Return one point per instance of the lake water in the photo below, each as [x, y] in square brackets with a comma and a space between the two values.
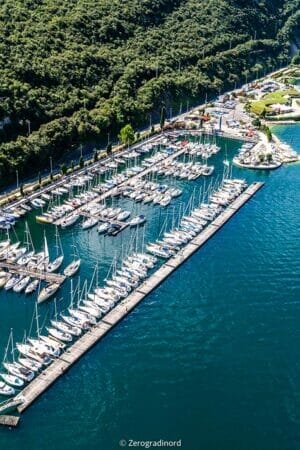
[211, 357]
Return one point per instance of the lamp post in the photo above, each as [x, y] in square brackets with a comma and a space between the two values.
[17, 175]
[51, 168]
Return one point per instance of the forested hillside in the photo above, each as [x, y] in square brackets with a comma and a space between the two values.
[72, 70]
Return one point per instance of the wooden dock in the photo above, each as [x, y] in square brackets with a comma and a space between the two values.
[115, 190]
[31, 392]
[40, 275]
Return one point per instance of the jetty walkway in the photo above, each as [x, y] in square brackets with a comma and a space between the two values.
[49, 277]
[31, 392]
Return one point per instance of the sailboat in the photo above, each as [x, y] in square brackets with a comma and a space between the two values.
[54, 265]
[73, 267]
[17, 374]
[48, 291]
[31, 287]
[43, 257]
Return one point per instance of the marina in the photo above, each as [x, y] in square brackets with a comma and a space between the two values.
[49, 375]
[166, 208]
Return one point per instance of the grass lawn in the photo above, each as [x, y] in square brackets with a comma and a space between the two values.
[258, 106]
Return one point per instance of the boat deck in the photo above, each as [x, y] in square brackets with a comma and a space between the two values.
[31, 392]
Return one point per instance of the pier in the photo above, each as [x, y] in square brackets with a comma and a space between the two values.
[40, 384]
[40, 275]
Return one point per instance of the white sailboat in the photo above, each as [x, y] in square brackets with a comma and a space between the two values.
[73, 267]
[54, 265]
[48, 291]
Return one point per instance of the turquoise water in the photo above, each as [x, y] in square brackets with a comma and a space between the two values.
[211, 357]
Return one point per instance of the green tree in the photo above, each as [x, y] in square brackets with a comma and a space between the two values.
[256, 123]
[96, 155]
[263, 113]
[296, 59]
[126, 135]
[63, 169]
[109, 148]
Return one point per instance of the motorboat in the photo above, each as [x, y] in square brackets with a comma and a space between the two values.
[136, 221]
[89, 223]
[122, 216]
[103, 227]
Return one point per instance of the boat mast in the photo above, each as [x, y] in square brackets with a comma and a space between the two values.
[7, 346]
[37, 320]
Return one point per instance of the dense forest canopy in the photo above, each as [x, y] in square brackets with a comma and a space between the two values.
[72, 70]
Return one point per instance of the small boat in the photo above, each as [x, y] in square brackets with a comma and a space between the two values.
[82, 315]
[12, 282]
[25, 258]
[103, 227]
[207, 170]
[70, 220]
[12, 380]
[60, 335]
[28, 352]
[4, 279]
[32, 287]
[54, 343]
[136, 221]
[45, 196]
[48, 291]
[38, 203]
[76, 322]
[19, 371]
[66, 328]
[6, 390]
[89, 223]
[72, 268]
[123, 216]
[30, 364]
[113, 229]
[54, 265]
[21, 284]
